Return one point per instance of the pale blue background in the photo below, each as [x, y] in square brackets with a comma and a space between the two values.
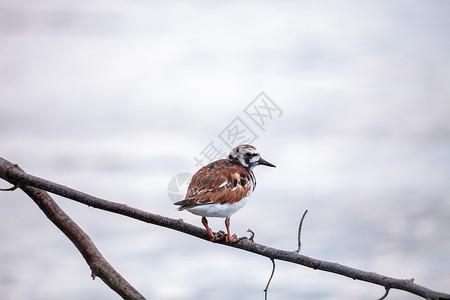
[115, 98]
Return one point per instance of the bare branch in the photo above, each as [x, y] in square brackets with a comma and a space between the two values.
[270, 279]
[13, 188]
[15, 175]
[98, 264]
[386, 293]
[300, 231]
[252, 235]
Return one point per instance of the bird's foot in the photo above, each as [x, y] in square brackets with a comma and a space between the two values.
[218, 236]
[233, 239]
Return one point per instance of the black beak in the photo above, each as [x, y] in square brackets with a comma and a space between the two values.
[265, 163]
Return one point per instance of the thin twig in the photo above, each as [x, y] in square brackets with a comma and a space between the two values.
[252, 235]
[13, 188]
[270, 279]
[300, 231]
[386, 293]
[14, 175]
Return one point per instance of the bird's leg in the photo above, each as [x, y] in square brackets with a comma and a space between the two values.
[205, 223]
[214, 237]
[231, 238]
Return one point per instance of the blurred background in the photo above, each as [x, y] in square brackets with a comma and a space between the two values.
[116, 99]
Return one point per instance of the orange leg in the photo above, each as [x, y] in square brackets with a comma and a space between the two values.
[205, 223]
[231, 238]
[214, 237]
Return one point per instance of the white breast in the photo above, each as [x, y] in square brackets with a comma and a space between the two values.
[218, 210]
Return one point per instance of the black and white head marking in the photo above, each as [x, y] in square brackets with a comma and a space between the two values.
[248, 157]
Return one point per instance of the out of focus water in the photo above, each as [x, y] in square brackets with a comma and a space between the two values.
[114, 99]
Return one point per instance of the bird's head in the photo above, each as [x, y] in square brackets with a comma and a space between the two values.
[248, 156]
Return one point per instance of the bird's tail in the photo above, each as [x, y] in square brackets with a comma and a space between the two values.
[186, 203]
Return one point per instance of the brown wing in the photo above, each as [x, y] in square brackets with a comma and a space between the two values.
[219, 182]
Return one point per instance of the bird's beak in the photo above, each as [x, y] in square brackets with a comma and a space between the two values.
[265, 162]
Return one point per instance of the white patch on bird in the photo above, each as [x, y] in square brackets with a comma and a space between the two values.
[242, 162]
[223, 184]
[254, 159]
[218, 210]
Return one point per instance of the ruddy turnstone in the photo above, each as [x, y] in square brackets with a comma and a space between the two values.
[223, 187]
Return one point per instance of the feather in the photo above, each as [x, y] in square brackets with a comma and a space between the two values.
[220, 182]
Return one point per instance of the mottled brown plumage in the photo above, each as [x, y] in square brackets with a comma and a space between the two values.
[223, 187]
[208, 186]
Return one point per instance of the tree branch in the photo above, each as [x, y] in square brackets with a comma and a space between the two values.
[98, 264]
[266, 290]
[300, 232]
[16, 176]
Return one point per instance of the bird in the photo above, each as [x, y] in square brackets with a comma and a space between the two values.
[223, 187]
